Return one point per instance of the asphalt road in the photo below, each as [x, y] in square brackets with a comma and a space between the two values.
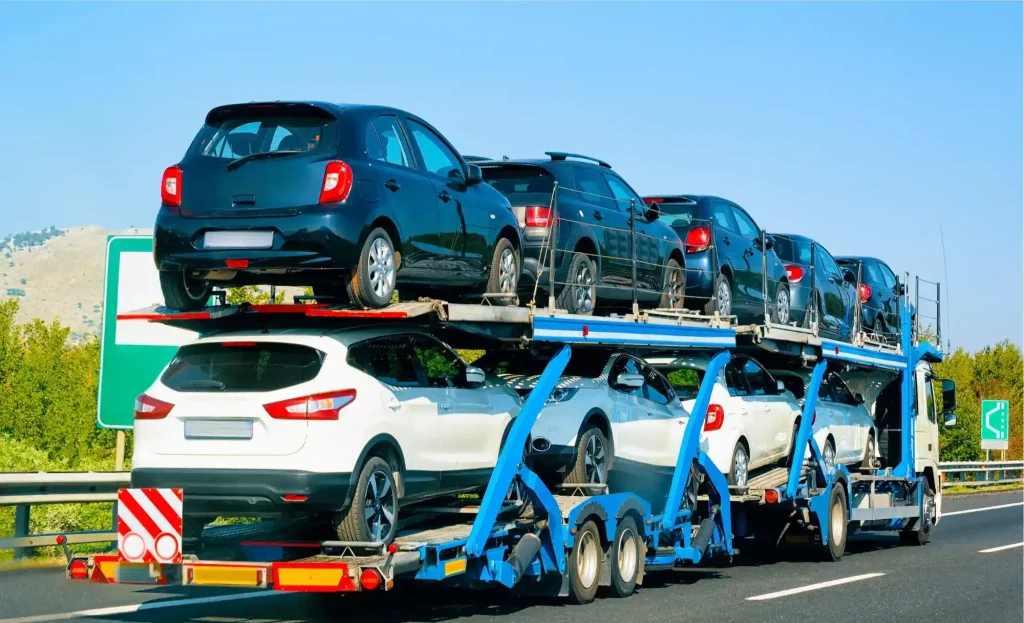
[950, 579]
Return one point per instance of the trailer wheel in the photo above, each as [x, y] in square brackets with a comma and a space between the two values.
[920, 534]
[838, 521]
[585, 564]
[626, 558]
[373, 514]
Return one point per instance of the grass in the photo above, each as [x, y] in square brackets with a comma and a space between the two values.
[960, 490]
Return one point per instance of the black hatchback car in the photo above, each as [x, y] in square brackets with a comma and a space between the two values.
[818, 283]
[352, 200]
[594, 242]
[879, 292]
[724, 262]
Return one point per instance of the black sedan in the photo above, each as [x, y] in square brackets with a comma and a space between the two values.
[879, 292]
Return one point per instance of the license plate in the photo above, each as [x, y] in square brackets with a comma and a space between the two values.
[218, 429]
[238, 240]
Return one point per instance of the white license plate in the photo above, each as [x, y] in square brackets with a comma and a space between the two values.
[218, 429]
[238, 240]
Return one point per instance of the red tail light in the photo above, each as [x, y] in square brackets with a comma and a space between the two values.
[794, 273]
[771, 496]
[715, 418]
[78, 569]
[149, 408]
[865, 292]
[370, 580]
[315, 407]
[170, 187]
[652, 200]
[337, 182]
[698, 239]
[538, 216]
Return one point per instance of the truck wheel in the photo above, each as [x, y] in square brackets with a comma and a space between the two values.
[585, 564]
[921, 534]
[673, 289]
[837, 522]
[739, 467]
[590, 465]
[373, 514]
[504, 273]
[626, 558]
[579, 295]
[372, 283]
[182, 292]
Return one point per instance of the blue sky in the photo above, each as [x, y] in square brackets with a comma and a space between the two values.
[865, 125]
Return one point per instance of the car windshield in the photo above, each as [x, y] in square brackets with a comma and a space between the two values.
[794, 250]
[248, 133]
[240, 366]
[522, 185]
[681, 214]
[526, 363]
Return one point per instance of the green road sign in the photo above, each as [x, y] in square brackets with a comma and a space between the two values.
[132, 352]
[995, 424]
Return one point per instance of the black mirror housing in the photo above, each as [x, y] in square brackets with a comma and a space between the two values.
[651, 211]
[474, 174]
[858, 398]
[848, 276]
[769, 242]
[948, 396]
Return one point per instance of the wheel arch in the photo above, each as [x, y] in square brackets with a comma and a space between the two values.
[386, 447]
[388, 224]
[599, 418]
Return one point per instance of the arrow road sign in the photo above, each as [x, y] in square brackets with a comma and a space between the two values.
[995, 424]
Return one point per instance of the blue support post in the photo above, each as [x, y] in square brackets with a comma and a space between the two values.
[510, 464]
[906, 468]
[803, 437]
[691, 440]
[720, 487]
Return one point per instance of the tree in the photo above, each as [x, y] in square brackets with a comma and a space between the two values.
[254, 295]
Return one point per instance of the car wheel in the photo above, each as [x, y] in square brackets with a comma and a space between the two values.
[722, 303]
[878, 329]
[585, 564]
[579, 295]
[373, 279]
[739, 468]
[674, 286]
[626, 558]
[869, 454]
[182, 292]
[813, 307]
[504, 275]
[838, 522]
[828, 455]
[781, 307]
[373, 514]
[920, 534]
[332, 295]
[590, 465]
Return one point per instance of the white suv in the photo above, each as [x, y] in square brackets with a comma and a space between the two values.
[612, 419]
[751, 420]
[349, 423]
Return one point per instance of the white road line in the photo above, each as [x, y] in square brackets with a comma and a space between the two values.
[978, 510]
[130, 608]
[1000, 548]
[812, 587]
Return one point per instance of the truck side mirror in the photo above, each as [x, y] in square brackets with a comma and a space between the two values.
[949, 419]
[949, 398]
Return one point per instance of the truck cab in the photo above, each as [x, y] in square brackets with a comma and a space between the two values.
[926, 426]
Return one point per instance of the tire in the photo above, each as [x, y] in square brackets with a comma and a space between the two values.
[721, 301]
[739, 467]
[372, 283]
[592, 458]
[829, 451]
[626, 558]
[837, 523]
[333, 295]
[869, 453]
[579, 295]
[673, 286]
[920, 534]
[815, 304]
[183, 293]
[504, 274]
[584, 564]
[782, 305]
[376, 484]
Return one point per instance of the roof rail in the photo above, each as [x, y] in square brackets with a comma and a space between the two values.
[562, 155]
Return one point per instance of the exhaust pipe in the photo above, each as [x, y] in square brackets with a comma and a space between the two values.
[523, 554]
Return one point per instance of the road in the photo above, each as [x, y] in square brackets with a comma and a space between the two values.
[954, 578]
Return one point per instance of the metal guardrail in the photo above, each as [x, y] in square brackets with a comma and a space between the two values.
[981, 473]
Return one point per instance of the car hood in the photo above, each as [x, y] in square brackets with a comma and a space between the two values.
[523, 384]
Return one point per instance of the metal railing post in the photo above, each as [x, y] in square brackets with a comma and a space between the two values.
[632, 234]
[715, 268]
[21, 529]
[551, 246]
[938, 315]
[858, 304]
[813, 303]
[764, 278]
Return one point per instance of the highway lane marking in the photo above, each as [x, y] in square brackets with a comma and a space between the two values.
[978, 510]
[813, 587]
[1000, 548]
[143, 607]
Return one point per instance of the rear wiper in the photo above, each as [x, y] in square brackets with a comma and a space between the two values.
[201, 384]
[263, 155]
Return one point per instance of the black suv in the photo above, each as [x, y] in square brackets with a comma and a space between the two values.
[879, 291]
[594, 240]
[352, 200]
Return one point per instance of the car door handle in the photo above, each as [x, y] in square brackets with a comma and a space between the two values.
[392, 185]
[444, 196]
[725, 239]
[598, 216]
[446, 405]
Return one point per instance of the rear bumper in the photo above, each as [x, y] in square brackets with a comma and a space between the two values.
[243, 491]
[554, 460]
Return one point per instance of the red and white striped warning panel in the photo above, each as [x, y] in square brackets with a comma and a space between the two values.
[149, 525]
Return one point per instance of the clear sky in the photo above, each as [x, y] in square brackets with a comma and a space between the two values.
[864, 125]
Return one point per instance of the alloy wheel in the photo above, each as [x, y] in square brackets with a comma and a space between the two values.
[381, 264]
[507, 272]
[379, 506]
[583, 282]
[782, 305]
[740, 467]
[829, 455]
[674, 288]
[593, 461]
[724, 298]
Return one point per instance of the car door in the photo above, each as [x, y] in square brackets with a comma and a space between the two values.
[747, 411]
[463, 222]
[750, 280]
[828, 415]
[649, 260]
[834, 295]
[628, 421]
[601, 211]
[890, 297]
[854, 431]
[770, 409]
[409, 192]
[728, 246]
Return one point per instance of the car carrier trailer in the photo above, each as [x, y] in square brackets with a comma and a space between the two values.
[578, 538]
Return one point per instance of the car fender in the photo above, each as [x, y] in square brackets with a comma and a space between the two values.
[580, 231]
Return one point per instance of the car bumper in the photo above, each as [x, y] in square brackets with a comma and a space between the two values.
[554, 460]
[243, 491]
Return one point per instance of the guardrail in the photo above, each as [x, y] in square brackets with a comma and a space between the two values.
[981, 473]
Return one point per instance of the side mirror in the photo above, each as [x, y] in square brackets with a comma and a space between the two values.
[474, 175]
[651, 212]
[769, 241]
[475, 377]
[858, 399]
[848, 276]
[949, 398]
[629, 380]
[780, 386]
[949, 420]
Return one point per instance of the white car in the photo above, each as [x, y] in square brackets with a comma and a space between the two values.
[612, 419]
[842, 427]
[348, 423]
[751, 420]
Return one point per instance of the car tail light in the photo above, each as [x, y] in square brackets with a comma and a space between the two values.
[538, 216]
[237, 264]
[78, 569]
[370, 580]
[794, 273]
[149, 408]
[865, 292]
[337, 182]
[698, 239]
[316, 407]
[652, 200]
[170, 187]
[715, 418]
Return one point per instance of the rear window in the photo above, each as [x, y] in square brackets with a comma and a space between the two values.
[792, 250]
[521, 185]
[241, 367]
[870, 272]
[254, 131]
[524, 362]
[681, 214]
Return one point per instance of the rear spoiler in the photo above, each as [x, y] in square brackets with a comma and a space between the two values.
[261, 109]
